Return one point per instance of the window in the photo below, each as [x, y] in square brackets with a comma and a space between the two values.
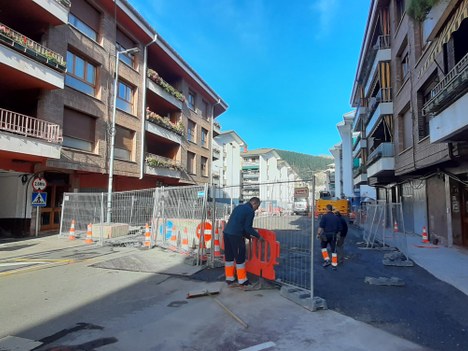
[399, 10]
[81, 75]
[85, 18]
[204, 166]
[123, 143]
[424, 95]
[402, 63]
[123, 42]
[204, 137]
[205, 108]
[406, 130]
[78, 130]
[125, 97]
[191, 128]
[191, 162]
[404, 66]
[191, 100]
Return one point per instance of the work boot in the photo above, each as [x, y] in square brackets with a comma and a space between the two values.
[326, 263]
[246, 283]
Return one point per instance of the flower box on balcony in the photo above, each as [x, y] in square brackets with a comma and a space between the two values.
[155, 77]
[27, 46]
[165, 122]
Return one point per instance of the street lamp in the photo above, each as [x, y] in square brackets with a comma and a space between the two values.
[112, 130]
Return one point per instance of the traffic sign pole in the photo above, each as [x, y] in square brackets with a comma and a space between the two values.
[37, 221]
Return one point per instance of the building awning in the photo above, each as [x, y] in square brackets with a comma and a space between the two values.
[452, 26]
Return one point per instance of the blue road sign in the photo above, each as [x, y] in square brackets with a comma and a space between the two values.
[39, 200]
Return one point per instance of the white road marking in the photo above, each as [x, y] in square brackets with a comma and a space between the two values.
[259, 347]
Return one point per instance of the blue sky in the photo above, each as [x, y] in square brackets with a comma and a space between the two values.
[285, 68]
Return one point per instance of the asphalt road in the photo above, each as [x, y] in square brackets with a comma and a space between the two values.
[425, 310]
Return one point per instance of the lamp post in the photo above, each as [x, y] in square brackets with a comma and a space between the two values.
[112, 131]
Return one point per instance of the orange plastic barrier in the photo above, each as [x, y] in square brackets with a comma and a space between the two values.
[221, 225]
[262, 256]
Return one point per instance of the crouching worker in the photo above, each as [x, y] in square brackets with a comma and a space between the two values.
[239, 227]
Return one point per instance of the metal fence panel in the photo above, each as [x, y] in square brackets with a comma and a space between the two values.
[180, 217]
[293, 232]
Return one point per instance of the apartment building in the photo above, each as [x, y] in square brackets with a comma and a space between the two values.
[350, 181]
[410, 95]
[265, 175]
[84, 83]
[226, 173]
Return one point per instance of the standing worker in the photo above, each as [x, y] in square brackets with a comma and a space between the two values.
[239, 227]
[340, 238]
[329, 227]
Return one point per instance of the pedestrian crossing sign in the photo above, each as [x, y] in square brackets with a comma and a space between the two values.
[39, 199]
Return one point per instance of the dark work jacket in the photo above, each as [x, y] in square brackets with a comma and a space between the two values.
[344, 226]
[240, 222]
[330, 223]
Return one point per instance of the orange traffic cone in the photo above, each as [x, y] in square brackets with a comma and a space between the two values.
[147, 243]
[395, 227]
[217, 250]
[174, 238]
[71, 235]
[89, 234]
[425, 238]
[185, 244]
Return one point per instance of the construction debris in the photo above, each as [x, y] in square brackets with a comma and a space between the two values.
[384, 281]
[203, 292]
[397, 259]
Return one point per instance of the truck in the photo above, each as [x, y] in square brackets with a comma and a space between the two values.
[301, 201]
[325, 199]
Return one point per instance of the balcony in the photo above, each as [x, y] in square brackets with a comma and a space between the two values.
[250, 175]
[28, 135]
[163, 166]
[38, 14]
[379, 106]
[58, 8]
[25, 62]
[359, 175]
[381, 161]
[448, 106]
[381, 53]
[360, 145]
[164, 128]
[216, 153]
[164, 90]
[216, 127]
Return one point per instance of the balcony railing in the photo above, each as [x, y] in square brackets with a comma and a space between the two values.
[66, 3]
[29, 47]
[383, 42]
[459, 72]
[156, 161]
[155, 77]
[359, 170]
[29, 126]
[383, 150]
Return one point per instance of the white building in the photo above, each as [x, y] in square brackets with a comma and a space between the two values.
[348, 163]
[226, 173]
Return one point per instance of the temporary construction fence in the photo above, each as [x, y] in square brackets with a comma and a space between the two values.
[383, 226]
[294, 233]
[189, 221]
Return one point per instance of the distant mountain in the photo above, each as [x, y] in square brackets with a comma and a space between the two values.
[304, 164]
